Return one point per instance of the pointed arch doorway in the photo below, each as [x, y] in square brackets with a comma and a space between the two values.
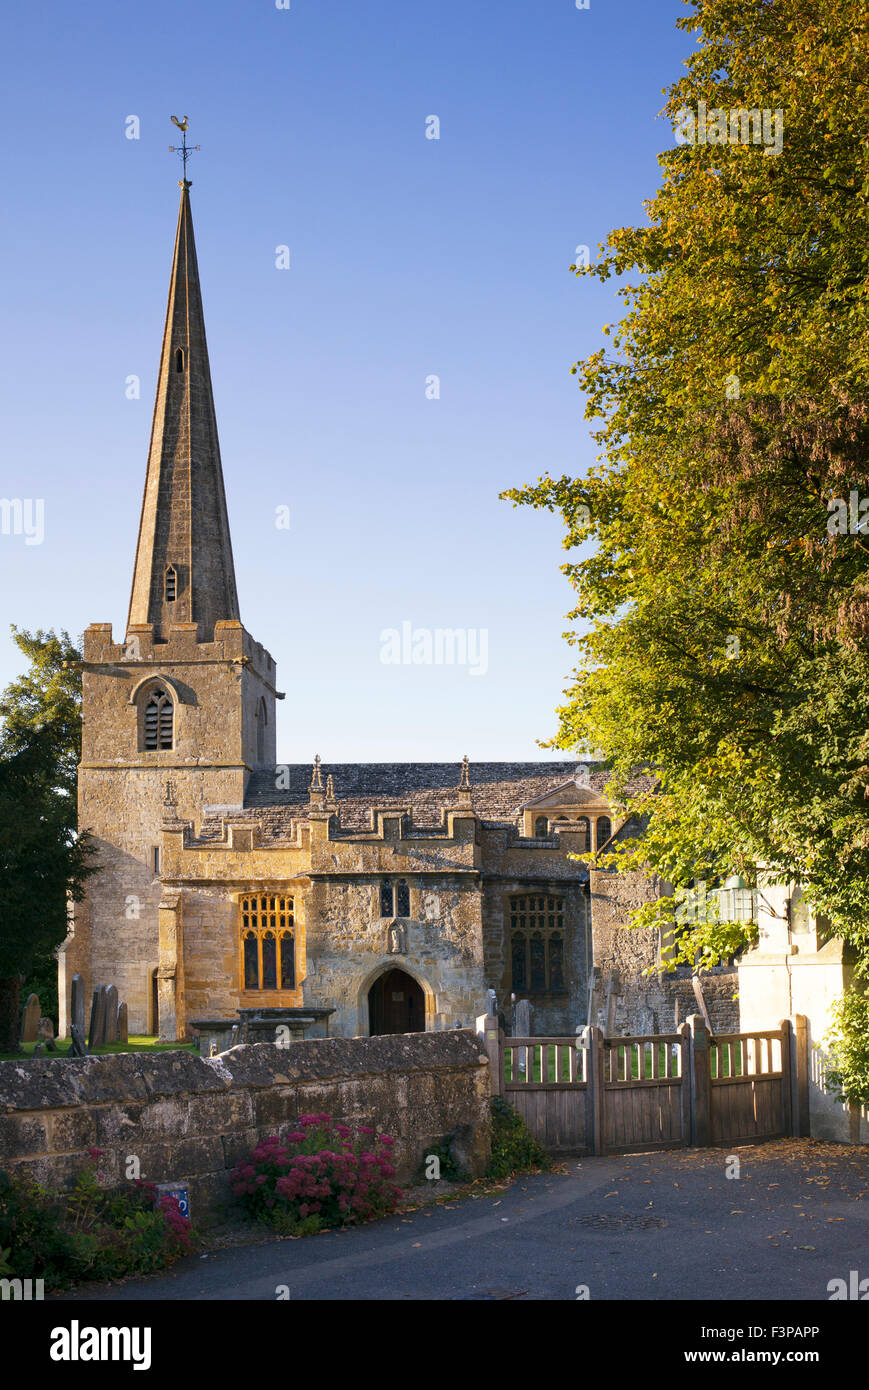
[396, 1004]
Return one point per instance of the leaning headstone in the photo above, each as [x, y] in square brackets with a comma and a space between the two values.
[45, 1029]
[76, 1002]
[30, 1021]
[97, 1030]
[123, 1027]
[522, 1019]
[79, 1047]
[111, 1033]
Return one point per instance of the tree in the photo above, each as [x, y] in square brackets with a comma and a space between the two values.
[47, 696]
[42, 864]
[40, 853]
[727, 597]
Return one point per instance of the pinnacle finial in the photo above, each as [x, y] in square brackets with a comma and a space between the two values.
[465, 783]
[316, 776]
[330, 788]
[169, 798]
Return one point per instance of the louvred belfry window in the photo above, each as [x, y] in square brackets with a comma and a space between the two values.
[159, 721]
[268, 947]
[537, 944]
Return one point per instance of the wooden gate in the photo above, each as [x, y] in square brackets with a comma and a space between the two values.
[644, 1092]
[749, 1087]
[546, 1079]
[592, 1094]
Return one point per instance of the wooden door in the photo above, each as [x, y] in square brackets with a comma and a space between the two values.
[396, 1004]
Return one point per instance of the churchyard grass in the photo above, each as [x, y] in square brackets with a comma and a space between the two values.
[141, 1043]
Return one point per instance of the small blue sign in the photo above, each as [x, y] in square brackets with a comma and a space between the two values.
[181, 1193]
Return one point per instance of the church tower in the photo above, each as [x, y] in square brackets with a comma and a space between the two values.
[177, 716]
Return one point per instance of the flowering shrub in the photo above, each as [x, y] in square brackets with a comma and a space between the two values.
[92, 1232]
[321, 1174]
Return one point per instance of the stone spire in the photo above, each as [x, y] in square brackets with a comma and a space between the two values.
[184, 571]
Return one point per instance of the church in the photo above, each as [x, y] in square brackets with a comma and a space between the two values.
[368, 898]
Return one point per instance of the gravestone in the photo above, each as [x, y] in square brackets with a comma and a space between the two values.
[29, 1024]
[123, 1027]
[76, 1003]
[522, 1019]
[45, 1030]
[111, 1033]
[38, 1049]
[78, 1048]
[97, 1030]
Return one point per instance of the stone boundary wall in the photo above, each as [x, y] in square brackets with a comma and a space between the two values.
[190, 1119]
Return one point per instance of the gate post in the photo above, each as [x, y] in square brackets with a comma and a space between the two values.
[594, 1098]
[492, 1038]
[687, 1091]
[700, 1088]
[800, 1090]
[787, 1054]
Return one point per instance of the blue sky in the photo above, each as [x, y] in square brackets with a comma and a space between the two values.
[409, 257]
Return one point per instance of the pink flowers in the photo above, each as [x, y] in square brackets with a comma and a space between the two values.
[321, 1172]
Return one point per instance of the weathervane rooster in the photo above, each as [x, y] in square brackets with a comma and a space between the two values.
[183, 149]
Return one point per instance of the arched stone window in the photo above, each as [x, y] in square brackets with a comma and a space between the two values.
[537, 944]
[604, 830]
[268, 958]
[158, 721]
[179, 359]
[584, 829]
[541, 827]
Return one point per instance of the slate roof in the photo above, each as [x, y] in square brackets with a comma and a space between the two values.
[498, 790]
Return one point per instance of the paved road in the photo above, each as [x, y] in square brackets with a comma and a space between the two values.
[660, 1226]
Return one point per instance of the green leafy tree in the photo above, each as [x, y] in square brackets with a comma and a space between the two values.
[42, 858]
[724, 609]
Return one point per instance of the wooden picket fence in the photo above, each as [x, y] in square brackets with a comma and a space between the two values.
[596, 1095]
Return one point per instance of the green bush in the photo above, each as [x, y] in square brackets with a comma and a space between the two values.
[91, 1232]
[447, 1167]
[514, 1148]
[847, 1076]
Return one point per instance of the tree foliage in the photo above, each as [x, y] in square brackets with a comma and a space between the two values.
[43, 859]
[724, 608]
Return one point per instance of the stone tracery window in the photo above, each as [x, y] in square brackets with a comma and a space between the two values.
[394, 898]
[537, 944]
[268, 942]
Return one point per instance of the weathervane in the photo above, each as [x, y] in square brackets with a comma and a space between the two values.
[183, 149]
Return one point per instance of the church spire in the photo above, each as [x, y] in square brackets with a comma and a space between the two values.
[184, 571]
